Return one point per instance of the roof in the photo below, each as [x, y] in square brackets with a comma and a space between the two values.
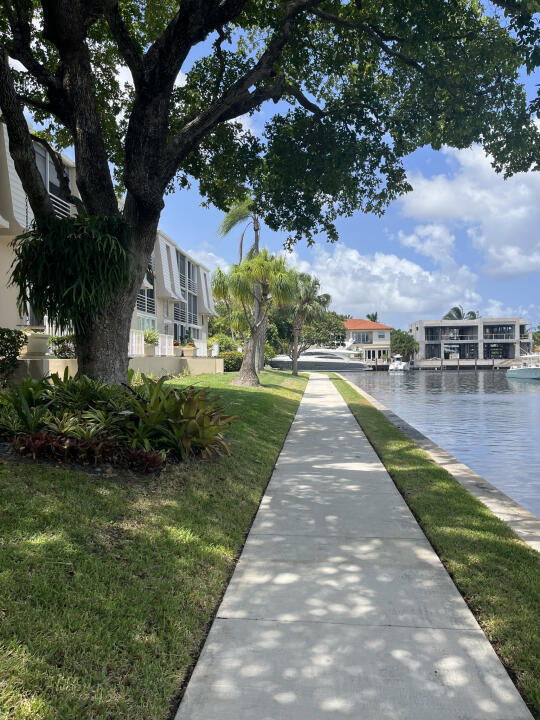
[361, 324]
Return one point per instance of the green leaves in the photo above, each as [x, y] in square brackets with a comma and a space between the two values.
[70, 269]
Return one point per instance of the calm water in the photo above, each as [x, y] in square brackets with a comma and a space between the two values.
[488, 421]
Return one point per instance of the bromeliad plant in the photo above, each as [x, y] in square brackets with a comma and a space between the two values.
[89, 421]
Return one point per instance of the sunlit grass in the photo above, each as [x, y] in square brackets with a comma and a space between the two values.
[497, 573]
[107, 584]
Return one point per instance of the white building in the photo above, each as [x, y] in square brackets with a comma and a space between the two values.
[175, 299]
[368, 338]
[484, 341]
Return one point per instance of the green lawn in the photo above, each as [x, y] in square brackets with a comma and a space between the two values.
[107, 585]
[498, 575]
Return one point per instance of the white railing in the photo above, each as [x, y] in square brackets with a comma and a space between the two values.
[192, 318]
[180, 314]
[166, 345]
[136, 343]
[145, 303]
[62, 209]
[499, 336]
[192, 286]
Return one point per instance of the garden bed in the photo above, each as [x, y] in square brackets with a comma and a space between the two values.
[107, 585]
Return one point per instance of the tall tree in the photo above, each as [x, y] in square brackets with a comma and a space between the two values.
[402, 343]
[309, 304]
[276, 287]
[361, 84]
[457, 313]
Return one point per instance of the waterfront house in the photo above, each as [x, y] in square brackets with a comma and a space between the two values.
[175, 298]
[483, 341]
[370, 339]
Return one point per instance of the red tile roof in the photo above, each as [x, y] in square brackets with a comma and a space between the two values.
[362, 324]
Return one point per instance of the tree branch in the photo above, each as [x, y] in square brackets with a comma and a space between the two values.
[126, 44]
[20, 143]
[297, 93]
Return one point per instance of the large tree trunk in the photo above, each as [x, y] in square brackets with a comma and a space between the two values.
[261, 345]
[247, 375]
[102, 351]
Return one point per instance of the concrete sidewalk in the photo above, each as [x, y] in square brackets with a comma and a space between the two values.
[338, 607]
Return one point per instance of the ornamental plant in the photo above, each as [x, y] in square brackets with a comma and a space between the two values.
[151, 337]
[11, 343]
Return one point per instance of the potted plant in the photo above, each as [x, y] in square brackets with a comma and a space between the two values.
[177, 348]
[38, 343]
[188, 346]
[151, 340]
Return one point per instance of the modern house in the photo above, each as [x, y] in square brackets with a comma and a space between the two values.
[370, 339]
[175, 298]
[480, 342]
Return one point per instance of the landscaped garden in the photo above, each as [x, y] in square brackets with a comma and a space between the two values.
[109, 579]
[497, 574]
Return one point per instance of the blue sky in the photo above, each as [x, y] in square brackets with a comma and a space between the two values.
[464, 235]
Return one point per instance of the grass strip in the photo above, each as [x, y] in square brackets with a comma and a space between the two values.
[107, 585]
[497, 573]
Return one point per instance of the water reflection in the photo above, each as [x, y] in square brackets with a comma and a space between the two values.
[488, 421]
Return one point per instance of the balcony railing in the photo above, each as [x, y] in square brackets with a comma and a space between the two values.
[192, 286]
[136, 343]
[146, 304]
[470, 338]
[62, 209]
[192, 318]
[180, 314]
[499, 336]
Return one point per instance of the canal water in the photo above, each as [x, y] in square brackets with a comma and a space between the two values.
[488, 421]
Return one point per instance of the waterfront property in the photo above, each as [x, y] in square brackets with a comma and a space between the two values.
[175, 298]
[370, 339]
[480, 342]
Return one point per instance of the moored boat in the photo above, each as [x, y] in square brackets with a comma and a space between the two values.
[526, 367]
[322, 359]
[398, 364]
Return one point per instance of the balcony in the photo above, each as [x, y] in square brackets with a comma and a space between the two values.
[62, 209]
[192, 318]
[451, 337]
[192, 286]
[180, 314]
[499, 336]
[145, 303]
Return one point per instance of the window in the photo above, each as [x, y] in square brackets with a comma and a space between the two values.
[145, 323]
[181, 260]
[363, 337]
[381, 336]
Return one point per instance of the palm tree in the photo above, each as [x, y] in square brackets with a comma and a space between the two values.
[242, 211]
[457, 313]
[308, 305]
[374, 316]
[277, 287]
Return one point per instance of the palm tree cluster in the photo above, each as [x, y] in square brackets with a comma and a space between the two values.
[258, 283]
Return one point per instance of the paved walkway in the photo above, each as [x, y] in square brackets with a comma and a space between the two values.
[338, 607]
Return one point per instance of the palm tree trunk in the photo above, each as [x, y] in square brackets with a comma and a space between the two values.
[296, 335]
[247, 375]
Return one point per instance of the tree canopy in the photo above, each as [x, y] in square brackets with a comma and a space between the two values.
[348, 89]
[403, 343]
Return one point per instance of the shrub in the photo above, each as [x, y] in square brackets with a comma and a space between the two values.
[182, 421]
[232, 361]
[11, 342]
[63, 346]
[269, 353]
[226, 343]
[151, 337]
[89, 421]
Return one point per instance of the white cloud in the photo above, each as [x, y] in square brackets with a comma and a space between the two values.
[496, 308]
[502, 217]
[209, 259]
[433, 241]
[358, 283]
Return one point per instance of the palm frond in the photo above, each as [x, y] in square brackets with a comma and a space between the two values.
[239, 212]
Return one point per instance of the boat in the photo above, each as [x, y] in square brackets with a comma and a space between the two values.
[526, 367]
[322, 360]
[398, 364]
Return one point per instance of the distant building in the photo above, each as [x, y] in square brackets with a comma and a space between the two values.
[495, 340]
[367, 337]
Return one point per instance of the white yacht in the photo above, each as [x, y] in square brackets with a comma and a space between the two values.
[398, 364]
[322, 359]
[526, 367]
